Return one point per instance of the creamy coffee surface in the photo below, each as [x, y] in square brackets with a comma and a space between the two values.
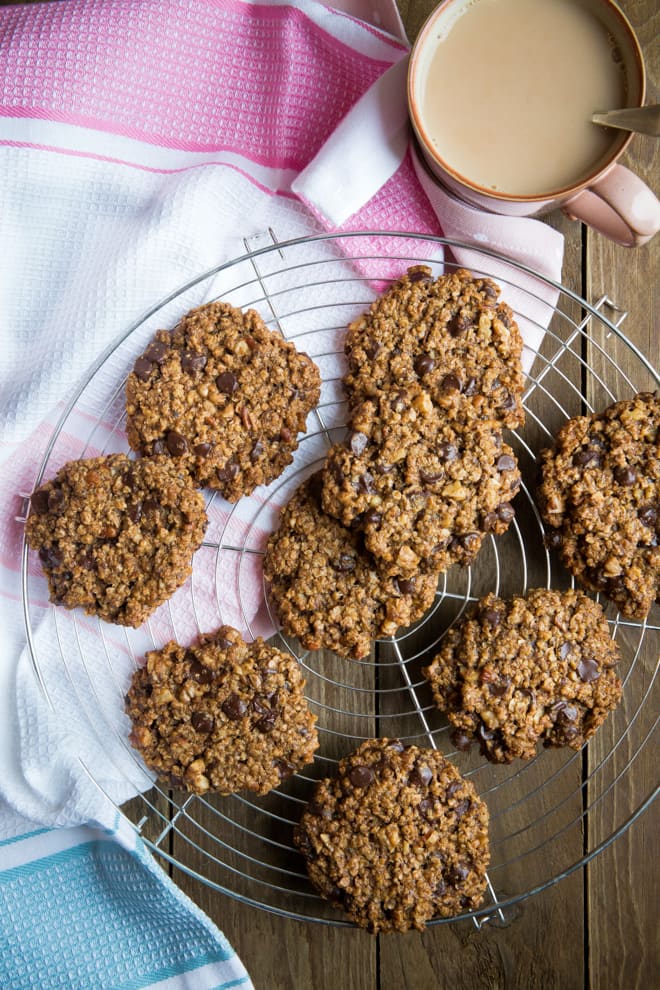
[508, 88]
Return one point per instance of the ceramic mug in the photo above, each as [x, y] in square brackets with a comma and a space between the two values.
[603, 194]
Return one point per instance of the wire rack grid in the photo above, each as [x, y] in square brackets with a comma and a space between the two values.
[549, 816]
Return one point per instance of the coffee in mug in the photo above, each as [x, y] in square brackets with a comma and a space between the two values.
[508, 90]
[500, 97]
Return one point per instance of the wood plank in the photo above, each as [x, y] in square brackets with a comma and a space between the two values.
[624, 947]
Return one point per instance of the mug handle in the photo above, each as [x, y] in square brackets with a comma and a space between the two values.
[620, 206]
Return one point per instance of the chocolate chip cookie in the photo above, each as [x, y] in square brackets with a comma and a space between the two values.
[448, 335]
[224, 396]
[396, 838]
[600, 497]
[222, 715]
[423, 488]
[116, 536]
[326, 588]
[539, 668]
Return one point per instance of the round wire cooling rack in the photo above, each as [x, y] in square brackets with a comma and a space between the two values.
[550, 815]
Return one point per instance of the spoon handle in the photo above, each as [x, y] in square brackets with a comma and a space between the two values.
[642, 120]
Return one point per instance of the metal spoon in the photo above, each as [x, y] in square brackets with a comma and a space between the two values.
[642, 120]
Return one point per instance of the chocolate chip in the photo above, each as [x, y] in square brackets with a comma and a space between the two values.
[56, 499]
[553, 539]
[461, 740]
[582, 458]
[424, 365]
[426, 807]
[564, 713]
[267, 721]
[484, 734]
[588, 670]
[452, 788]
[625, 476]
[457, 874]
[491, 617]
[357, 442]
[193, 361]
[51, 557]
[405, 586]
[489, 521]
[260, 705]
[86, 560]
[234, 707]
[361, 776]
[450, 383]
[156, 352]
[421, 775]
[488, 289]
[365, 483]
[440, 889]
[498, 690]
[505, 463]
[506, 512]
[344, 563]
[202, 449]
[461, 808]
[200, 673]
[470, 387]
[150, 505]
[176, 443]
[285, 435]
[227, 383]
[396, 746]
[202, 723]
[398, 401]
[257, 451]
[458, 325]
[134, 511]
[158, 447]
[427, 478]
[39, 501]
[142, 368]
[371, 518]
[284, 768]
[419, 274]
[509, 401]
[372, 349]
[648, 515]
[565, 650]
[228, 472]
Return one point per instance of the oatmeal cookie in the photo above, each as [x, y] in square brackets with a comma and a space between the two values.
[222, 715]
[223, 395]
[116, 536]
[423, 488]
[448, 335]
[396, 838]
[539, 668]
[600, 497]
[326, 588]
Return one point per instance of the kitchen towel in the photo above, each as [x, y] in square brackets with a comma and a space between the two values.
[141, 143]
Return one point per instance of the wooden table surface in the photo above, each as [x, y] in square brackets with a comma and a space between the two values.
[599, 927]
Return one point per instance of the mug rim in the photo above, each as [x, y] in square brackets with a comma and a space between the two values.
[564, 192]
